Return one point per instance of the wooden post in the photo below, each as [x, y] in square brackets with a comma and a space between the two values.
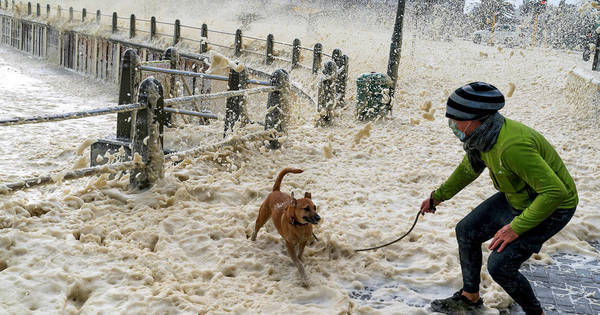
[47, 10]
[152, 28]
[396, 46]
[98, 17]
[327, 93]
[38, 10]
[177, 32]
[204, 35]
[70, 14]
[58, 11]
[317, 58]
[173, 57]
[147, 141]
[83, 14]
[269, 54]
[341, 78]
[132, 26]
[28, 8]
[596, 62]
[296, 53]
[114, 22]
[235, 105]
[238, 43]
[127, 86]
[278, 106]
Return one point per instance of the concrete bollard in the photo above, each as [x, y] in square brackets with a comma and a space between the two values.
[235, 108]
[152, 28]
[177, 32]
[296, 53]
[317, 58]
[70, 14]
[83, 14]
[269, 53]
[327, 93]
[204, 34]
[278, 106]
[238, 43]
[127, 86]
[147, 136]
[98, 17]
[132, 26]
[114, 22]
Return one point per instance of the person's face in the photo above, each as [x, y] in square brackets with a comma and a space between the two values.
[463, 128]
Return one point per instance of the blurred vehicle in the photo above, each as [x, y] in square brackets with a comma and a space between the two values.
[506, 34]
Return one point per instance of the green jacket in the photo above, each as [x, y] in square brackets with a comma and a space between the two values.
[527, 169]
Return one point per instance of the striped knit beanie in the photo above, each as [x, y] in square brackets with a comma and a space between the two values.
[474, 101]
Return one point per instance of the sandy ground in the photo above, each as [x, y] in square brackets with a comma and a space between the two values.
[91, 246]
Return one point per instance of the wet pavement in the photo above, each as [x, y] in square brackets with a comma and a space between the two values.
[570, 285]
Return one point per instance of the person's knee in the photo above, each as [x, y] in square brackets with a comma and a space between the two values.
[462, 231]
[496, 268]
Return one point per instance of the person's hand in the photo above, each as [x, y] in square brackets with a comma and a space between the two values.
[503, 237]
[427, 206]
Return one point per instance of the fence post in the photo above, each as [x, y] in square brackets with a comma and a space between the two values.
[235, 108]
[152, 28]
[70, 14]
[146, 138]
[326, 94]
[98, 16]
[38, 10]
[238, 43]
[317, 58]
[278, 105]
[83, 14]
[171, 55]
[114, 22]
[341, 78]
[296, 53]
[132, 26]
[58, 11]
[47, 10]
[28, 8]
[269, 53]
[596, 62]
[204, 35]
[127, 87]
[177, 32]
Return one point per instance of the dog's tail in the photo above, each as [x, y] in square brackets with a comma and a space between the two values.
[286, 170]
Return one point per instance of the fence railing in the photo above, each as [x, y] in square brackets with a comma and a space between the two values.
[145, 153]
[199, 35]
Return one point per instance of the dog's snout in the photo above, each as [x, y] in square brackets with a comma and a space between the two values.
[317, 218]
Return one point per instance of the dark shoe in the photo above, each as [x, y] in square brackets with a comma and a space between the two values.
[457, 304]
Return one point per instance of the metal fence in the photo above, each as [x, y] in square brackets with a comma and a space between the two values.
[140, 136]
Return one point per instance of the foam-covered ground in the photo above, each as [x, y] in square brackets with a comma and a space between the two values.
[91, 246]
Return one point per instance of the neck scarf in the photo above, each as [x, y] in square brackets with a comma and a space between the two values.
[482, 139]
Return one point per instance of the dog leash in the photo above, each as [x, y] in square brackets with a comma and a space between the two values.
[431, 207]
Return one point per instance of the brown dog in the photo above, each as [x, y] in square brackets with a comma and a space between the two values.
[292, 218]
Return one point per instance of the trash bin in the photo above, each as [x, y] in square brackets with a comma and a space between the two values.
[373, 95]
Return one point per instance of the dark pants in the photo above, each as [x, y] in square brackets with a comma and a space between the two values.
[480, 225]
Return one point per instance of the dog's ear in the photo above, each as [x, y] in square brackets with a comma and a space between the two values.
[291, 209]
[307, 195]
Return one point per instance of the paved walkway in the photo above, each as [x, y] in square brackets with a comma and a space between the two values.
[571, 285]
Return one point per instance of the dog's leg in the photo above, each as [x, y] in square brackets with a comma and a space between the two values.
[292, 253]
[301, 251]
[264, 213]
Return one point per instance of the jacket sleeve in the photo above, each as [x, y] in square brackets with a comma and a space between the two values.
[462, 176]
[525, 161]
